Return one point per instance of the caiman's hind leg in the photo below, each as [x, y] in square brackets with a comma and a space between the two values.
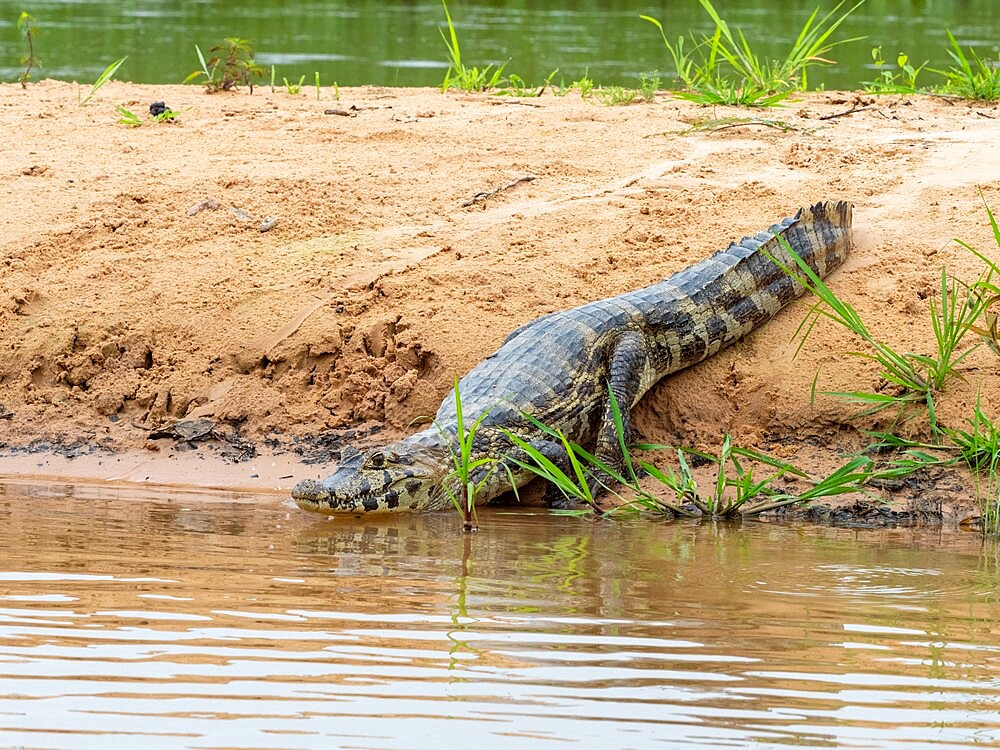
[628, 360]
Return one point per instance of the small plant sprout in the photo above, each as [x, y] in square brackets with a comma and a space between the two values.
[649, 85]
[294, 88]
[584, 85]
[317, 85]
[459, 75]
[232, 65]
[207, 72]
[517, 86]
[469, 475]
[616, 96]
[903, 82]
[101, 80]
[272, 79]
[127, 117]
[28, 30]
[158, 111]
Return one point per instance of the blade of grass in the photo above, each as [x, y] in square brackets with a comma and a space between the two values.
[102, 79]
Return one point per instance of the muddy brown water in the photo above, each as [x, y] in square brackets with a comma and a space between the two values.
[171, 619]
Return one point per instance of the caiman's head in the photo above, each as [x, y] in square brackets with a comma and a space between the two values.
[400, 476]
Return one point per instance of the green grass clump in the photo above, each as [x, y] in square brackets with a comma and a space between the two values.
[913, 379]
[724, 68]
[615, 96]
[588, 475]
[466, 469]
[972, 76]
[735, 493]
[956, 312]
[28, 30]
[573, 481]
[233, 65]
[979, 446]
[461, 76]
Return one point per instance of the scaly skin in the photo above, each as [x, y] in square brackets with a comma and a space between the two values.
[558, 369]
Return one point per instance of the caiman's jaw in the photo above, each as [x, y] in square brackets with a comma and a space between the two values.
[396, 477]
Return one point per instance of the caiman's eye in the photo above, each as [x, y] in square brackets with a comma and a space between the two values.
[376, 460]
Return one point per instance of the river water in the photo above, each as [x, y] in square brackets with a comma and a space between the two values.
[398, 42]
[161, 619]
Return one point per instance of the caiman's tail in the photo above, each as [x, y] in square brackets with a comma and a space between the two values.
[822, 235]
[728, 295]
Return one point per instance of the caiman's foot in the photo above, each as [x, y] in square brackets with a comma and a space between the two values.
[556, 500]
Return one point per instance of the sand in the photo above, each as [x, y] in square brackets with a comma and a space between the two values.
[137, 287]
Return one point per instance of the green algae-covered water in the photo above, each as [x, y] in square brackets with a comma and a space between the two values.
[398, 43]
[159, 619]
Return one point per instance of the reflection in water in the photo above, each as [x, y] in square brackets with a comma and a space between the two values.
[179, 623]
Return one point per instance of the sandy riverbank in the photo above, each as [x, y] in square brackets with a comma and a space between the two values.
[137, 288]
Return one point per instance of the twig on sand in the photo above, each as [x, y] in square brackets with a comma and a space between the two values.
[483, 197]
[854, 108]
[712, 125]
[515, 101]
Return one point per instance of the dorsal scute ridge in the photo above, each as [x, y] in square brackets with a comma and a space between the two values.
[752, 243]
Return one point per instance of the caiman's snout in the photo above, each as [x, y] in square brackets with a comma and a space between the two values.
[309, 492]
[381, 479]
[316, 496]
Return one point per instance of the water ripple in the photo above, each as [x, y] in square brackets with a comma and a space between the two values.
[406, 635]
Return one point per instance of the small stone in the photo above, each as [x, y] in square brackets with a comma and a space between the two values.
[193, 429]
[209, 203]
[268, 223]
[240, 214]
[157, 108]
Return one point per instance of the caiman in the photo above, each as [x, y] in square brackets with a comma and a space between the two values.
[560, 368]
